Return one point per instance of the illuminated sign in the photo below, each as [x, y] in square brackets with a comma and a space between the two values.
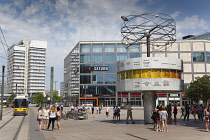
[98, 68]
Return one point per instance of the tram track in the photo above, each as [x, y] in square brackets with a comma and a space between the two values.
[13, 126]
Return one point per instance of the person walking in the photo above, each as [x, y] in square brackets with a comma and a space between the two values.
[46, 116]
[118, 113]
[92, 109]
[39, 118]
[194, 112]
[163, 117]
[114, 113]
[107, 111]
[187, 114]
[199, 111]
[52, 117]
[129, 113]
[206, 118]
[182, 111]
[175, 112]
[58, 118]
[97, 108]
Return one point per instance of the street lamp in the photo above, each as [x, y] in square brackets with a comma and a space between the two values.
[2, 91]
[85, 87]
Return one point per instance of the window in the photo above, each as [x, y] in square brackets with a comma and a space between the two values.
[122, 56]
[97, 47]
[121, 48]
[207, 57]
[97, 58]
[85, 79]
[85, 48]
[110, 58]
[109, 47]
[134, 55]
[134, 48]
[112, 68]
[97, 79]
[136, 73]
[198, 57]
[129, 75]
[108, 89]
[83, 69]
[84, 58]
[110, 79]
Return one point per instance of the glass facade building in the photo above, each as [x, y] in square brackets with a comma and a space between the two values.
[93, 65]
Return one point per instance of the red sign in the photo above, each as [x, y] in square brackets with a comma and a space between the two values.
[127, 95]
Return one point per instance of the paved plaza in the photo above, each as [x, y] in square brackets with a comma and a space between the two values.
[97, 127]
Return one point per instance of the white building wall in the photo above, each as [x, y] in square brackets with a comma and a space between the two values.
[26, 67]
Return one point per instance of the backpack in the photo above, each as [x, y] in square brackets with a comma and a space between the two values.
[154, 115]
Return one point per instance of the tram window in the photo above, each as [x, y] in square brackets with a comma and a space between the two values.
[20, 103]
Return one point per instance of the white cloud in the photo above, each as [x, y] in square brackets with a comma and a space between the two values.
[192, 22]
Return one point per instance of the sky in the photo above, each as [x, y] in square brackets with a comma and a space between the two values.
[63, 23]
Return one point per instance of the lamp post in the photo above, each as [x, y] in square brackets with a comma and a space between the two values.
[2, 92]
[85, 87]
[51, 83]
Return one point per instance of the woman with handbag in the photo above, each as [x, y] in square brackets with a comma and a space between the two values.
[39, 118]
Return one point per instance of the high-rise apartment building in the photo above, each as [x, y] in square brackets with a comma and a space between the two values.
[26, 67]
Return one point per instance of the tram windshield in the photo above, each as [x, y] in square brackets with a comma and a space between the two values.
[20, 103]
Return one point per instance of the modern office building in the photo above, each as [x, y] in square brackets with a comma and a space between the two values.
[26, 67]
[205, 36]
[90, 69]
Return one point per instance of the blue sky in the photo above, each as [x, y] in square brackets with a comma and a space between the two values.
[62, 23]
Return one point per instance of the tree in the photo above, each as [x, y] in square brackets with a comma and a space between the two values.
[11, 98]
[55, 97]
[38, 98]
[199, 89]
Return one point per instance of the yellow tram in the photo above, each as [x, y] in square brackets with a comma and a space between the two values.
[20, 106]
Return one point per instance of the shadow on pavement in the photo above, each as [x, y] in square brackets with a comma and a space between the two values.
[136, 136]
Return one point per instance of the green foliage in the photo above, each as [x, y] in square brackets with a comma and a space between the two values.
[56, 98]
[199, 89]
[38, 98]
[11, 98]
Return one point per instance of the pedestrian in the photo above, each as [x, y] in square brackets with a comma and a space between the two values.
[97, 108]
[159, 124]
[61, 108]
[72, 108]
[46, 116]
[163, 117]
[154, 117]
[52, 117]
[169, 111]
[129, 113]
[92, 109]
[175, 112]
[107, 111]
[199, 111]
[194, 112]
[118, 113]
[187, 113]
[58, 118]
[114, 112]
[206, 118]
[182, 111]
[39, 118]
